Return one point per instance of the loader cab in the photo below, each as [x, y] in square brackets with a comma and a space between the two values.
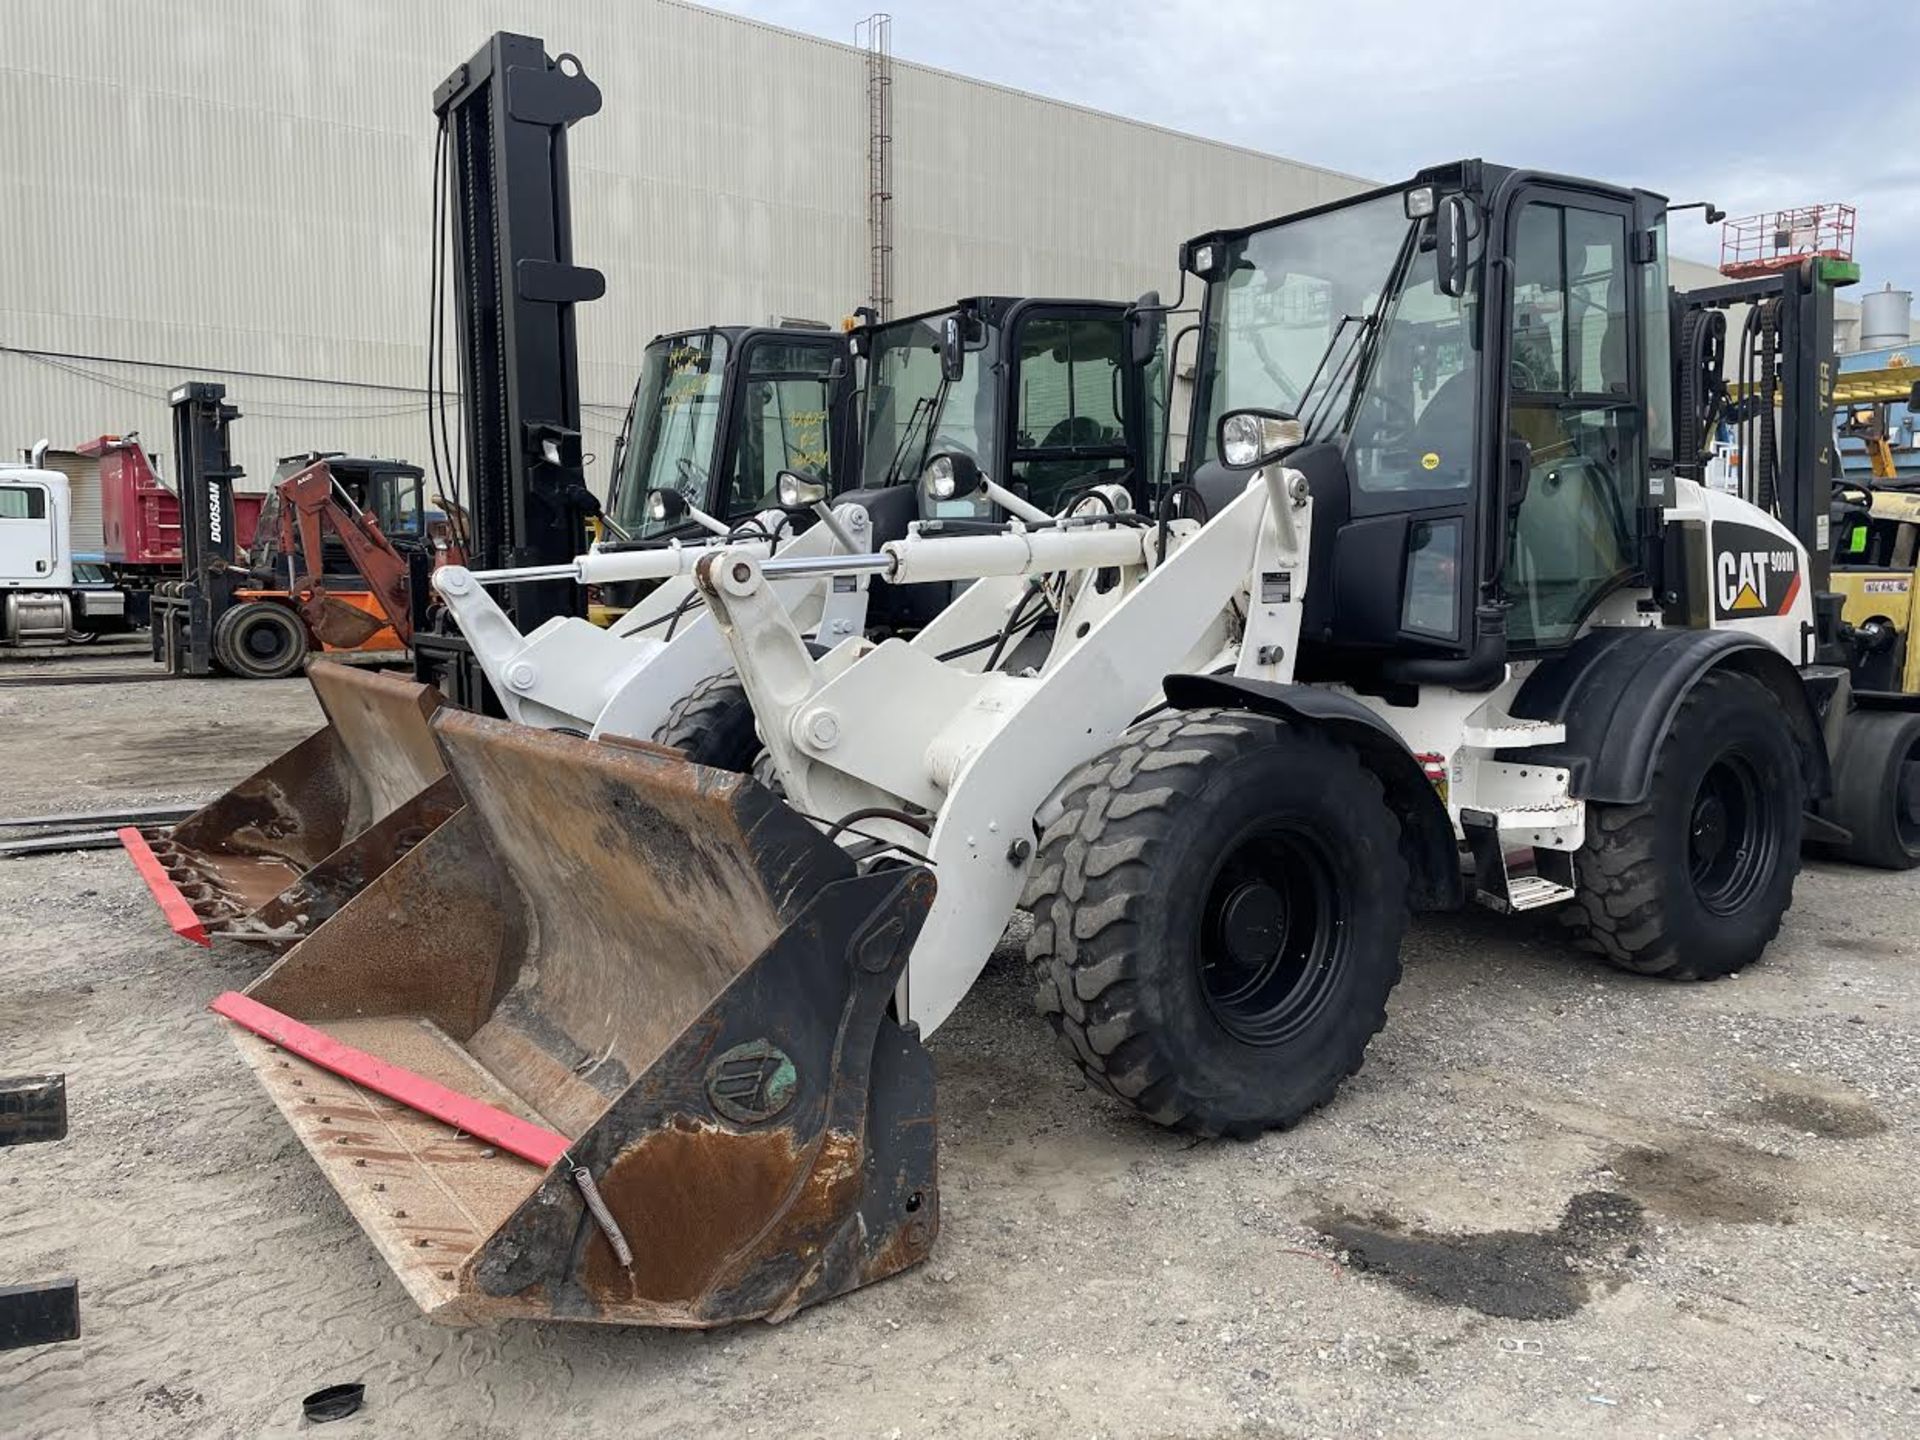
[392, 491]
[1041, 394]
[1468, 354]
[719, 413]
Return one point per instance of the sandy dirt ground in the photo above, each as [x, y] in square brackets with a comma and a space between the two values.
[1557, 1199]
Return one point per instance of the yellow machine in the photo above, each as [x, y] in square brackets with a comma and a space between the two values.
[1876, 562]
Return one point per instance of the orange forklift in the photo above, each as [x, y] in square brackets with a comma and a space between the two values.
[329, 568]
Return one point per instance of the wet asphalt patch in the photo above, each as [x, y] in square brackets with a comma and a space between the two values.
[1513, 1274]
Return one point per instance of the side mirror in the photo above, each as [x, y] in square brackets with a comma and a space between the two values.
[1145, 324]
[1450, 231]
[953, 350]
[666, 507]
[799, 492]
[952, 476]
[1249, 439]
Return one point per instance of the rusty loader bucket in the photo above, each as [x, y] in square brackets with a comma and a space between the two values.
[613, 1044]
[290, 844]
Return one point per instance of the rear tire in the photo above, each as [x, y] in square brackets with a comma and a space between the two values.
[1218, 909]
[260, 640]
[1876, 788]
[713, 724]
[1691, 883]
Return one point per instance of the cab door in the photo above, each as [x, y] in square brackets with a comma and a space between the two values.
[1575, 412]
[27, 549]
[789, 411]
[1074, 415]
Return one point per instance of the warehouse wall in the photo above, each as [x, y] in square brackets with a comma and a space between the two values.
[244, 194]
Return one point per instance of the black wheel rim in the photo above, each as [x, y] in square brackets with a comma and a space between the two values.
[1732, 836]
[1272, 935]
[264, 643]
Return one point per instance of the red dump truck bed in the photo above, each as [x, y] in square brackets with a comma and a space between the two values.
[140, 516]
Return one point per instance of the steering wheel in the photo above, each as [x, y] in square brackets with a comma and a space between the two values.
[690, 472]
[1074, 432]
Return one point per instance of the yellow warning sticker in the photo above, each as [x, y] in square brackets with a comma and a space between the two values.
[1429, 461]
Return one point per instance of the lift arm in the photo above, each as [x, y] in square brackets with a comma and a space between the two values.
[310, 505]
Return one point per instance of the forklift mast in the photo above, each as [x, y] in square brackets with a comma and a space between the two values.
[204, 473]
[1783, 364]
[504, 117]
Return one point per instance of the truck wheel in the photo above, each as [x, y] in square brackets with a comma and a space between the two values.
[713, 723]
[260, 640]
[1218, 909]
[1876, 788]
[1691, 883]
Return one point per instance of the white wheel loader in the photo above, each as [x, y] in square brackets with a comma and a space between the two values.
[1458, 595]
[712, 415]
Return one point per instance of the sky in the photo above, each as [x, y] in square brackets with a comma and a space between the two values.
[1759, 105]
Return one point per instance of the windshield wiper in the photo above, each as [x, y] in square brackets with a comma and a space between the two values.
[934, 407]
[927, 408]
[906, 436]
[1344, 371]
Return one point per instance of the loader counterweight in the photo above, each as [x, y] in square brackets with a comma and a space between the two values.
[663, 965]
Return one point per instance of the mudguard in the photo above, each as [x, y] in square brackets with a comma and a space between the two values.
[1618, 689]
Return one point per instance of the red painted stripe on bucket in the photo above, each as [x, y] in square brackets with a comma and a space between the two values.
[175, 906]
[475, 1117]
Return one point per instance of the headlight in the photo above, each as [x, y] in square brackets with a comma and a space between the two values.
[797, 492]
[666, 505]
[1251, 437]
[1419, 203]
[940, 479]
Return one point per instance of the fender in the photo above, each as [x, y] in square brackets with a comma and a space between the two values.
[1427, 840]
[1618, 689]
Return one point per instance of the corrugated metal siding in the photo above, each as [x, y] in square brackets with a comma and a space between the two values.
[83, 499]
[250, 193]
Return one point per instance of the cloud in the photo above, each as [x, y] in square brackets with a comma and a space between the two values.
[1757, 105]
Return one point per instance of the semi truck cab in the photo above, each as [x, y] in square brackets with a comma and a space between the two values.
[40, 601]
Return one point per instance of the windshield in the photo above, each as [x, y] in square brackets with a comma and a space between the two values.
[1303, 321]
[911, 413]
[672, 427]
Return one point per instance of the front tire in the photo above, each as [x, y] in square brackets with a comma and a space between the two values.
[260, 640]
[1876, 788]
[1692, 883]
[1218, 910]
[713, 724]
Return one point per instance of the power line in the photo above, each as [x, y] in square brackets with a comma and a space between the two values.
[52, 357]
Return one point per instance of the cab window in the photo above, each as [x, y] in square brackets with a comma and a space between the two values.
[399, 504]
[22, 502]
[784, 422]
[1569, 373]
[1414, 428]
[1069, 404]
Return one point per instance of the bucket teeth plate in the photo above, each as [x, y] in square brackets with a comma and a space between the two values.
[667, 967]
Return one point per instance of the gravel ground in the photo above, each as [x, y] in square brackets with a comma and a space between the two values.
[1557, 1198]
